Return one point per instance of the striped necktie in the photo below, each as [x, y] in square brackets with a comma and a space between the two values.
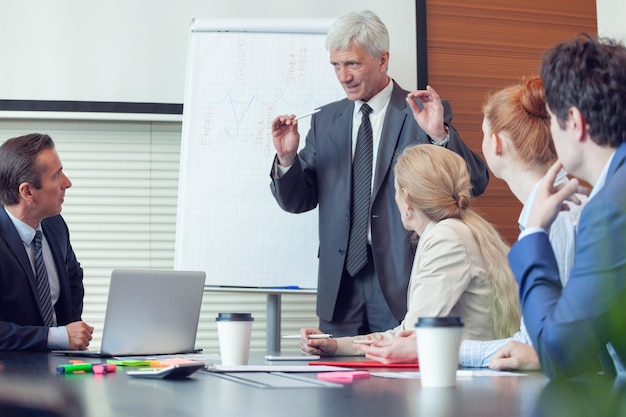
[361, 193]
[43, 284]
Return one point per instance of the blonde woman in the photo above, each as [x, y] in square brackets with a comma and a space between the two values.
[460, 267]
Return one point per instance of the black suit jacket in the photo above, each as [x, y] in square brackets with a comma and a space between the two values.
[21, 322]
[321, 176]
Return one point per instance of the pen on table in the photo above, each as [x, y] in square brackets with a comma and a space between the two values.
[311, 113]
[284, 287]
[311, 336]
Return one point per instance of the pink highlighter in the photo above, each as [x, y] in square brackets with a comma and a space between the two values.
[103, 368]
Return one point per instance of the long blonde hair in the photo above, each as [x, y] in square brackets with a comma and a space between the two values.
[437, 182]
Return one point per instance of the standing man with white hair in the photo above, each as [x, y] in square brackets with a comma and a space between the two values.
[365, 254]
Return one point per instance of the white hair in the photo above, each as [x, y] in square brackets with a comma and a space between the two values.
[364, 28]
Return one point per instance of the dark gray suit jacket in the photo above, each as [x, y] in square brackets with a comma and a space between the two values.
[321, 176]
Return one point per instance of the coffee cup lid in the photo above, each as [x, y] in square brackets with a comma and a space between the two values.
[439, 322]
[234, 317]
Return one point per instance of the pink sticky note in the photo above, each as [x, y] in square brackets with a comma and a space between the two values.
[347, 376]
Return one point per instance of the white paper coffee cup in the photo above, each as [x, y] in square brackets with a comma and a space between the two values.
[234, 331]
[438, 343]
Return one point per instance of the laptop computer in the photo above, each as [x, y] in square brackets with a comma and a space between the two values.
[150, 312]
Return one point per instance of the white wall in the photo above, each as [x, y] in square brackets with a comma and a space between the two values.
[611, 15]
[136, 50]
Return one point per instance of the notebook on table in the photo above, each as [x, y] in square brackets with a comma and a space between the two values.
[150, 312]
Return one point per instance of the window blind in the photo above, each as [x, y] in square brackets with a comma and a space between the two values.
[121, 212]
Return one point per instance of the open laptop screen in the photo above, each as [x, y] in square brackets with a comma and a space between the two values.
[151, 312]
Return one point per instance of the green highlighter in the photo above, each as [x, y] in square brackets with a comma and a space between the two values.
[74, 367]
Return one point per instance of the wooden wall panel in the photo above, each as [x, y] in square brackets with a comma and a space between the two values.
[475, 47]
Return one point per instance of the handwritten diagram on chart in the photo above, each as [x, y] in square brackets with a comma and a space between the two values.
[229, 224]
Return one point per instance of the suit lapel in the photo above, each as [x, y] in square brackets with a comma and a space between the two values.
[57, 255]
[341, 136]
[15, 244]
[342, 125]
[392, 127]
[618, 160]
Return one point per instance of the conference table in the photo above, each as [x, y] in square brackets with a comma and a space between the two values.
[31, 378]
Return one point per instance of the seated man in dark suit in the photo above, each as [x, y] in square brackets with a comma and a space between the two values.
[41, 282]
[574, 328]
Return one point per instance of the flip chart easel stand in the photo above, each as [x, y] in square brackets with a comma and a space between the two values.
[273, 309]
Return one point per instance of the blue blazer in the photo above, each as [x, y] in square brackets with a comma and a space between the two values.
[21, 322]
[571, 326]
[322, 176]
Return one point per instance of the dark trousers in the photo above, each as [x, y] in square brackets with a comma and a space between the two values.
[361, 307]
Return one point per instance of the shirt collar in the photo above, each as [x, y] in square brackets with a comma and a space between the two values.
[523, 217]
[602, 179]
[27, 233]
[378, 102]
